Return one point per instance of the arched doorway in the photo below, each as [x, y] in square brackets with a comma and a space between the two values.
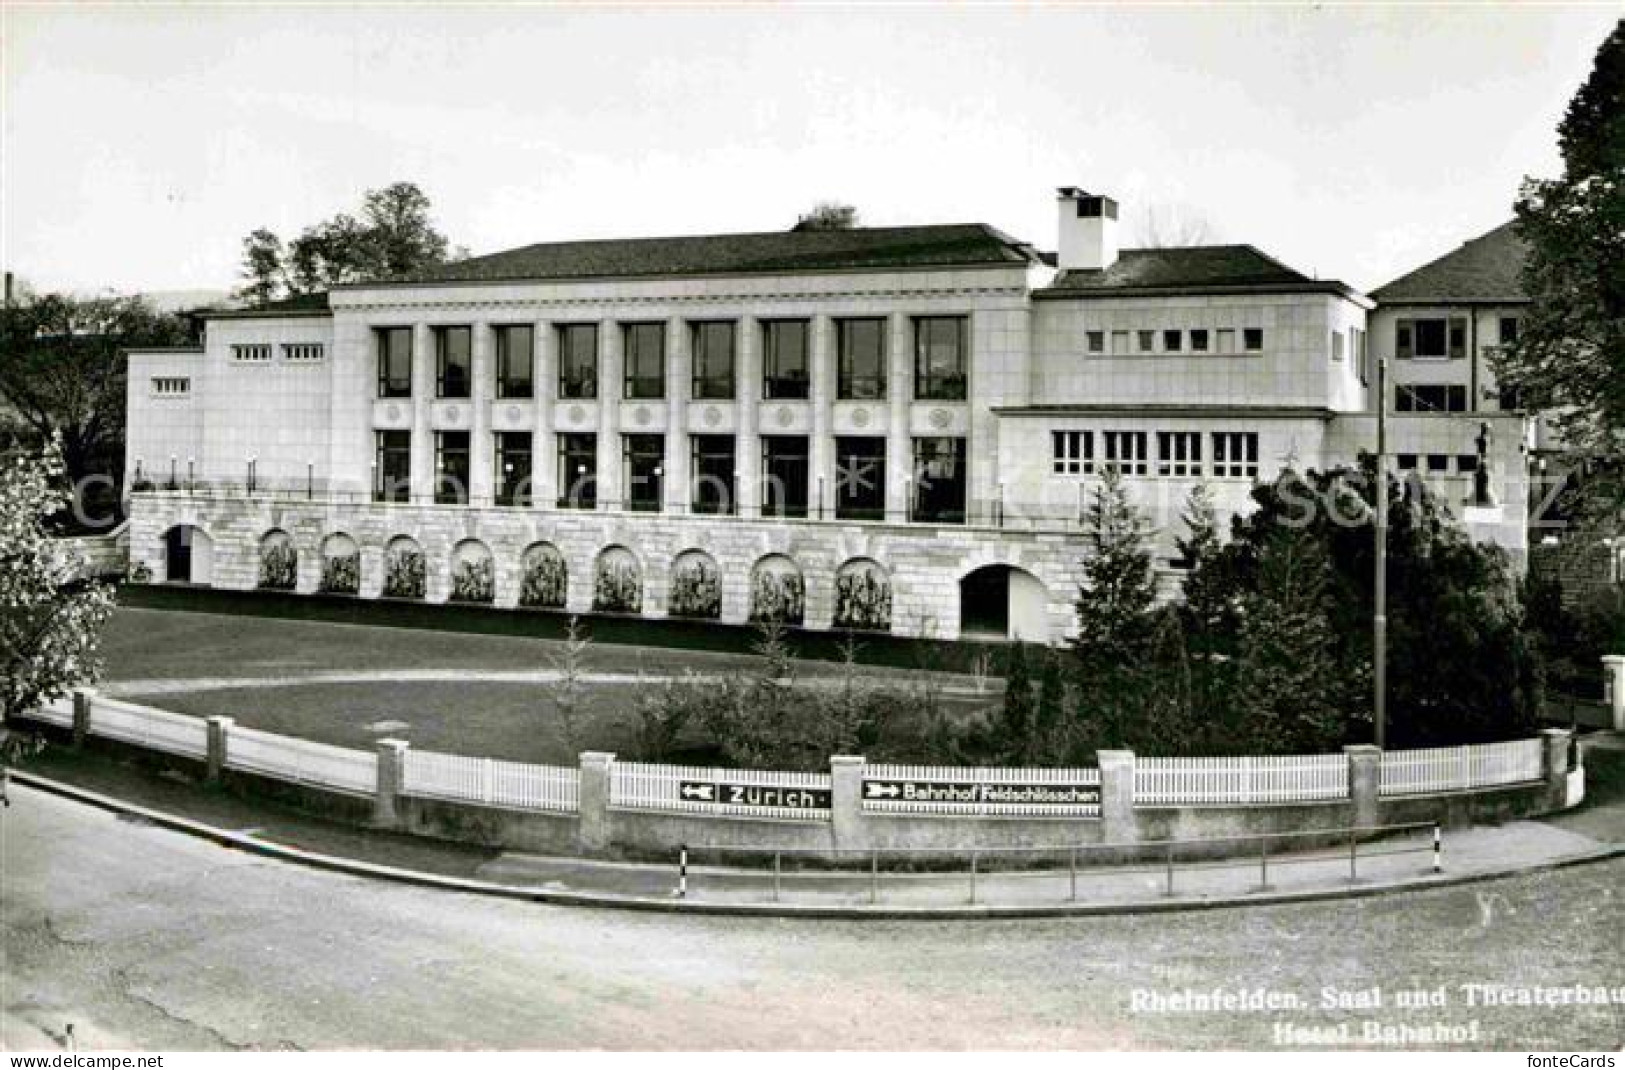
[1003, 602]
[188, 555]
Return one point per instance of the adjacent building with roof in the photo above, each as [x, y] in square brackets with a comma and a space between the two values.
[890, 429]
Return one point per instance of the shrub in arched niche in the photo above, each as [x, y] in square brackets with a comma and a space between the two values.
[546, 580]
[473, 575]
[862, 596]
[279, 561]
[405, 573]
[341, 565]
[696, 586]
[617, 582]
[777, 591]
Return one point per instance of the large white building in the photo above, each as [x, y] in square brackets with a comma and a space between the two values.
[884, 428]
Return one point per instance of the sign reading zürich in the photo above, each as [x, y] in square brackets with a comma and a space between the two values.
[951, 791]
[773, 796]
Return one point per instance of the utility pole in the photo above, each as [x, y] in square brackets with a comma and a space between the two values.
[1379, 616]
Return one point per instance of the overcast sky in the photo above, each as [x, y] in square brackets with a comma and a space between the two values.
[141, 145]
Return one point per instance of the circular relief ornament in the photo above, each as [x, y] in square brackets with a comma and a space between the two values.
[393, 412]
[713, 416]
[860, 417]
[640, 416]
[513, 414]
[576, 414]
[941, 418]
[784, 417]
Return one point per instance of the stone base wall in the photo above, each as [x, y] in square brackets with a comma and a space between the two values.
[924, 564]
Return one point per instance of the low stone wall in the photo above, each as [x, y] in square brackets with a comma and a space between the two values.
[598, 828]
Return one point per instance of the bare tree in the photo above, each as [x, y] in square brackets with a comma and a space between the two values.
[1172, 226]
[828, 215]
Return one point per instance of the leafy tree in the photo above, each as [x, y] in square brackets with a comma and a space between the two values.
[1015, 730]
[62, 368]
[1567, 358]
[393, 237]
[828, 215]
[50, 618]
[1051, 712]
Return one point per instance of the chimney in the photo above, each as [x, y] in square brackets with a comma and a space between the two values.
[1087, 235]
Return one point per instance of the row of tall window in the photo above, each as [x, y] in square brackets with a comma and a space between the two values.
[1179, 454]
[936, 484]
[1198, 340]
[941, 359]
[262, 352]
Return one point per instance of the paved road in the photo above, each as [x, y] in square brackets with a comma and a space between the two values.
[149, 939]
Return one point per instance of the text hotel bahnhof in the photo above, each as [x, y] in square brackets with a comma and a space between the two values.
[890, 428]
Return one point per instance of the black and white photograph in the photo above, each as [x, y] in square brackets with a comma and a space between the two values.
[814, 527]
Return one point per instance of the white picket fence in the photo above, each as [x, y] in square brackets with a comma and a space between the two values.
[173, 733]
[1422, 772]
[635, 786]
[1240, 780]
[492, 782]
[301, 761]
[981, 782]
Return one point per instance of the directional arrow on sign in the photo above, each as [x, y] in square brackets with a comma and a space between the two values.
[874, 789]
[706, 792]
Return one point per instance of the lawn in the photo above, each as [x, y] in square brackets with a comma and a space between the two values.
[353, 684]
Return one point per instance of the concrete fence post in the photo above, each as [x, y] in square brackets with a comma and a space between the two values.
[1555, 743]
[219, 729]
[82, 698]
[1613, 689]
[846, 801]
[1117, 824]
[391, 783]
[1365, 784]
[595, 832]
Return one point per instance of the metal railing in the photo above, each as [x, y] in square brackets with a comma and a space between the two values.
[861, 867]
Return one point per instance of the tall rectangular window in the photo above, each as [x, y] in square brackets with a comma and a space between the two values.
[1508, 330]
[643, 364]
[784, 475]
[1235, 455]
[643, 464]
[940, 358]
[515, 345]
[1338, 344]
[785, 373]
[713, 360]
[453, 361]
[712, 468]
[860, 372]
[513, 474]
[578, 361]
[860, 478]
[1179, 453]
[1173, 341]
[451, 467]
[392, 466]
[1199, 340]
[578, 471]
[939, 481]
[1072, 453]
[394, 362]
[1125, 451]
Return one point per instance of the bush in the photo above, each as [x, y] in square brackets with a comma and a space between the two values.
[472, 581]
[863, 601]
[778, 597]
[279, 567]
[404, 574]
[545, 584]
[696, 591]
[342, 574]
[617, 588]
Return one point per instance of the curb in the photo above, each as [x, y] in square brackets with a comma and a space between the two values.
[357, 868]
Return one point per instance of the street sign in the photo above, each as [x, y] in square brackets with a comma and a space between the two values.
[958, 791]
[771, 796]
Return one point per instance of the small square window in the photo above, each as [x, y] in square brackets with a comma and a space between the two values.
[1096, 341]
[1438, 462]
[1226, 341]
[1466, 462]
[1199, 340]
[1406, 462]
[1173, 341]
[1120, 342]
[1252, 339]
[1148, 341]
